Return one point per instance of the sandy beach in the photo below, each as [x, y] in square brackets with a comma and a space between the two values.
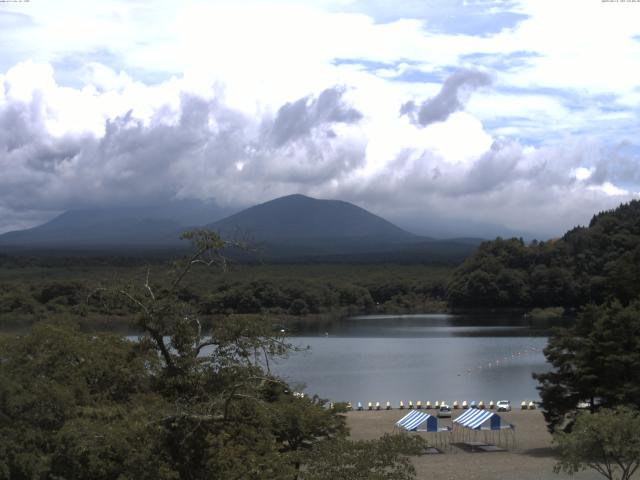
[531, 458]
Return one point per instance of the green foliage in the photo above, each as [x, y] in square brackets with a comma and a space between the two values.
[297, 420]
[180, 403]
[384, 459]
[493, 277]
[549, 313]
[597, 358]
[586, 265]
[68, 293]
[606, 441]
[61, 392]
[29, 295]
[81, 406]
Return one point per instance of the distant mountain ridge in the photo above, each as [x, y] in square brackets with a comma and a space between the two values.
[290, 228]
[158, 225]
[295, 218]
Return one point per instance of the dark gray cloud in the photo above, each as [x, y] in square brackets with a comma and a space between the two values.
[619, 165]
[297, 119]
[451, 97]
[204, 149]
[197, 147]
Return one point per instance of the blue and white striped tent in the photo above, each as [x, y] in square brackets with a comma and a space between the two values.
[415, 418]
[472, 422]
[477, 419]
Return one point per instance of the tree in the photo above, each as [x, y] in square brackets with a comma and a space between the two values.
[181, 403]
[75, 405]
[595, 360]
[383, 459]
[606, 441]
[590, 264]
[298, 307]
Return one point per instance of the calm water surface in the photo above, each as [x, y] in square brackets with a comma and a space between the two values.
[419, 357]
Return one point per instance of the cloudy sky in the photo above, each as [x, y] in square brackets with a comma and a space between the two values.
[519, 113]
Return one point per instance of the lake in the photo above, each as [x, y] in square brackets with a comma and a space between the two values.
[419, 357]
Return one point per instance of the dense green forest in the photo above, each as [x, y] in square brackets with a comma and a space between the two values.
[31, 292]
[587, 265]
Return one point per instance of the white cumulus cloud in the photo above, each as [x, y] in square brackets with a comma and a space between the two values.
[527, 121]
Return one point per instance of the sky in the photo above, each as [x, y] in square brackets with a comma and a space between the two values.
[523, 114]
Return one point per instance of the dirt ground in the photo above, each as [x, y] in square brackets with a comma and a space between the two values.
[531, 458]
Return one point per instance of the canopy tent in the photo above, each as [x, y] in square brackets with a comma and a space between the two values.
[479, 419]
[483, 420]
[417, 421]
[414, 419]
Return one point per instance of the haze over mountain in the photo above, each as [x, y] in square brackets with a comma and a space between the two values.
[149, 226]
[290, 227]
[443, 228]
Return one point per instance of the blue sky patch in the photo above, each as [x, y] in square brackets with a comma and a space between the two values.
[367, 65]
[501, 61]
[571, 99]
[14, 20]
[411, 74]
[415, 75]
[480, 25]
[456, 17]
[67, 68]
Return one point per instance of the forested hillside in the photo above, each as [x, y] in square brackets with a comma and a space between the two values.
[587, 265]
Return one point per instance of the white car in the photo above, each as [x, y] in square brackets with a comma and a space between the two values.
[503, 406]
[444, 411]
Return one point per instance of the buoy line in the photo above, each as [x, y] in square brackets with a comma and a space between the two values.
[500, 362]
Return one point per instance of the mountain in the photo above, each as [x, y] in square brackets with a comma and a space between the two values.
[438, 227]
[292, 228]
[141, 227]
[300, 228]
[300, 219]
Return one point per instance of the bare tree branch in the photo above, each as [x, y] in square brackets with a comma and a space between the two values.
[148, 287]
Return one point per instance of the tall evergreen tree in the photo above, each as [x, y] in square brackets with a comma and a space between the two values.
[596, 360]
